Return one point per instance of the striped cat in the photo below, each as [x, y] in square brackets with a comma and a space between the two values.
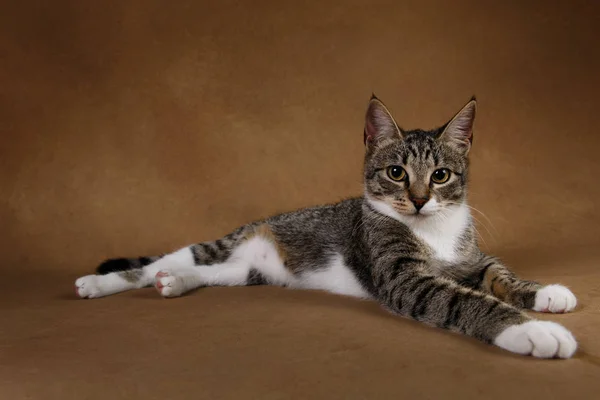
[408, 243]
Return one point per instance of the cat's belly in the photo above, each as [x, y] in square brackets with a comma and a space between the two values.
[336, 278]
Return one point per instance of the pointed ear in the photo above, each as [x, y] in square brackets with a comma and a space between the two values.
[379, 123]
[459, 131]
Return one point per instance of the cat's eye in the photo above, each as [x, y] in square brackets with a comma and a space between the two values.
[440, 175]
[396, 173]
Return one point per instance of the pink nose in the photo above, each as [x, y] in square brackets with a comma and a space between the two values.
[419, 202]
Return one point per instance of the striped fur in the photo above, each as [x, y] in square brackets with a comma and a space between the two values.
[407, 243]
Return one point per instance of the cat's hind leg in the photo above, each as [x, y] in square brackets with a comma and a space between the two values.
[111, 279]
[117, 275]
[255, 261]
[248, 256]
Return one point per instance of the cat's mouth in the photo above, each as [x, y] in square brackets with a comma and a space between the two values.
[430, 209]
[420, 213]
[415, 214]
[400, 208]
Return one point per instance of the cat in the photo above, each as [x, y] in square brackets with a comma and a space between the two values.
[408, 243]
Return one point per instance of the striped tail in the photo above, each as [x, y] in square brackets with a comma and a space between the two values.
[205, 253]
[125, 264]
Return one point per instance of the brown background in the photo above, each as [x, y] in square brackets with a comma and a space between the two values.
[136, 127]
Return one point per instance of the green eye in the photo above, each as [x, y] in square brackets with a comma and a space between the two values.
[396, 173]
[440, 175]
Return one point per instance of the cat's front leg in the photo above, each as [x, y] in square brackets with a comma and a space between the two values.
[412, 292]
[499, 281]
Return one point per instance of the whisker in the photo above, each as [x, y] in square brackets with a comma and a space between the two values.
[483, 215]
[478, 211]
[480, 222]
[480, 235]
[484, 226]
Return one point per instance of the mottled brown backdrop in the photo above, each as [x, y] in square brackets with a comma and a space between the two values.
[136, 127]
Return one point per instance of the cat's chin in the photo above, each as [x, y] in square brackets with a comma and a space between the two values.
[424, 216]
[418, 216]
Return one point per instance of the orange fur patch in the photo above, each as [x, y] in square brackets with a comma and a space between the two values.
[264, 231]
[497, 288]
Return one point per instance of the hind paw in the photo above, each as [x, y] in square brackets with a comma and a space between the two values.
[86, 287]
[169, 284]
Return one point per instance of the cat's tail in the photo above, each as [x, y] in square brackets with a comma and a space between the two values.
[125, 264]
[205, 253]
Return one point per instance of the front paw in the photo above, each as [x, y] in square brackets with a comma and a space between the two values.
[554, 299]
[543, 339]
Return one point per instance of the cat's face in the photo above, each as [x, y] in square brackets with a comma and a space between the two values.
[416, 174]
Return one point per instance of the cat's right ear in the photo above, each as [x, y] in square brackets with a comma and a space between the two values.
[379, 123]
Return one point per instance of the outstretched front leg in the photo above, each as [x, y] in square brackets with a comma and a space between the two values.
[491, 276]
[406, 287]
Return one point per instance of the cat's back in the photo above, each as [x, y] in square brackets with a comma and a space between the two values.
[313, 234]
[329, 220]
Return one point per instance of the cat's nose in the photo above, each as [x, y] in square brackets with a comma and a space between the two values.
[419, 202]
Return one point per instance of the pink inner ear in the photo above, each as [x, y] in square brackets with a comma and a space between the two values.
[466, 122]
[461, 129]
[378, 122]
[366, 137]
[369, 131]
[464, 128]
[369, 128]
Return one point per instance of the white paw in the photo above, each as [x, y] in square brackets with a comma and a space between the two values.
[542, 339]
[169, 284]
[554, 299]
[86, 287]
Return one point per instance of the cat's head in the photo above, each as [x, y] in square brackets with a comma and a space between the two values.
[415, 174]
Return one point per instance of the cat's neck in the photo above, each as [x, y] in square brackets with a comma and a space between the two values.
[442, 232]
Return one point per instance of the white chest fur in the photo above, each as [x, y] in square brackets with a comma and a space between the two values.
[441, 233]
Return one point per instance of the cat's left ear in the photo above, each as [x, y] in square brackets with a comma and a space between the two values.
[379, 123]
[459, 131]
